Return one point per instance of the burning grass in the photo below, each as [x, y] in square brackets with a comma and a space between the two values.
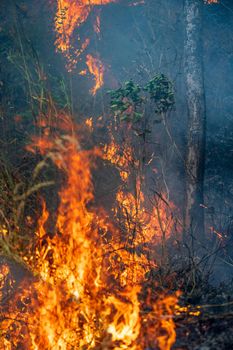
[89, 287]
[94, 277]
[70, 15]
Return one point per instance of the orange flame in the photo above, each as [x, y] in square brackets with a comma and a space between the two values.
[121, 158]
[151, 223]
[88, 285]
[71, 14]
[96, 68]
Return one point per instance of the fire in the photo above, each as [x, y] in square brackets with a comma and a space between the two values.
[70, 262]
[89, 123]
[149, 222]
[128, 330]
[153, 224]
[121, 158]
[166, 340]
[4, 275]
[219, 235]
[71, 14]
[87, 291]
[96, 68]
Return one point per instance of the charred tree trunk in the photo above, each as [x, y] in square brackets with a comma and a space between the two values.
[195, 158]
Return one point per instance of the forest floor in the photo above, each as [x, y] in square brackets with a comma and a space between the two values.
[209, 332]
[211, 329]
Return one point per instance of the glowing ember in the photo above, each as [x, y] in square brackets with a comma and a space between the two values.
[89, 123]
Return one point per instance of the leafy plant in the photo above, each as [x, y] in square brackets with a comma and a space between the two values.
[128, 101]
[161, 92]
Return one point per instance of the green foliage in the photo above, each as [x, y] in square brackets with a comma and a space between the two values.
[161, 92]
[128, 101]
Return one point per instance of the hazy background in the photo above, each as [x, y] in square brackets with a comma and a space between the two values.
[135, 42]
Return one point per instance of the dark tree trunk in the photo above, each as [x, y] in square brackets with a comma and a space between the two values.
[195, 158]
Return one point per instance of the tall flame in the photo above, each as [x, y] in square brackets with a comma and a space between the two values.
[87, 292]
[71, 14]
[96, 68]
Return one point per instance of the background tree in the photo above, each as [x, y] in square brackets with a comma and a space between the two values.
[195, 158]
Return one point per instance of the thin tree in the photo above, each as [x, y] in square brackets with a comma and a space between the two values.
[195, 157]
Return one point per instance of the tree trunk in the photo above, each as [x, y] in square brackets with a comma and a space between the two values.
[195, 158]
